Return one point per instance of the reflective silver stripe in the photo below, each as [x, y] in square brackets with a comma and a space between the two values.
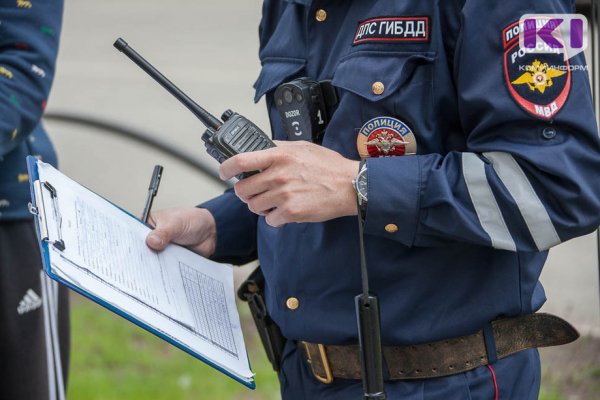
[485, 204]
[48, 336]
[533, 211]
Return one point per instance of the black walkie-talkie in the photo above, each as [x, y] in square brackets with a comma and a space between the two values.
[234, 135]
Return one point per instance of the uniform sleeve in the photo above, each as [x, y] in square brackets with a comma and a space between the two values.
[529, 177]
[29, 35]
[236, 229]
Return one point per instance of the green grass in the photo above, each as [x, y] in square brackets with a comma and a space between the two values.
[550, 394]
[112, 359]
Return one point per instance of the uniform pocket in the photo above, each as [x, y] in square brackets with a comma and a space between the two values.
[359, 71]
[375, 84]
[274, 72]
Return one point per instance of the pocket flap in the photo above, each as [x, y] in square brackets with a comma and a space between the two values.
[274, 72]
[359, 71]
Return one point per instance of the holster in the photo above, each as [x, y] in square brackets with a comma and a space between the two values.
[252, 292]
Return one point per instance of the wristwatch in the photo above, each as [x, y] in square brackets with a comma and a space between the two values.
[360, 186]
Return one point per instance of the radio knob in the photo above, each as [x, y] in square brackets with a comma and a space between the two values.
[226, 115]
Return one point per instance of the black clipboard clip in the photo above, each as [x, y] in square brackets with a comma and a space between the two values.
[40, 210]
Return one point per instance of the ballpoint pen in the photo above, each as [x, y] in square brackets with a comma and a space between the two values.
[152, 190]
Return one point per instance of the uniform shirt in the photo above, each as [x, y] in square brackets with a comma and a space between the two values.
[29, 33]
[506, 166]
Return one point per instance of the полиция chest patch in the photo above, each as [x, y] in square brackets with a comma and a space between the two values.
[384, 137]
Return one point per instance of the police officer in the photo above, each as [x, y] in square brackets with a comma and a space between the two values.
[30, 362]
[477, 158]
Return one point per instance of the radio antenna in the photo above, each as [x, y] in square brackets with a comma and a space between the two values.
[207, 118]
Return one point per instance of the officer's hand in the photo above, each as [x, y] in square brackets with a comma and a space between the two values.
[298, 182]
[194, 228]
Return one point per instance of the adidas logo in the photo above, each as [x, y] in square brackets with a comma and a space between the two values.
[30, 302]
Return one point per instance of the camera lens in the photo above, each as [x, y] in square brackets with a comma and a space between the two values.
[287, 96]
[299, 97]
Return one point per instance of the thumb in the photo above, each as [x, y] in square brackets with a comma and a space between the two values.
[161, 236]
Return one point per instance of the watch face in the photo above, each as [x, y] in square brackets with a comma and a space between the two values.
[361, 184]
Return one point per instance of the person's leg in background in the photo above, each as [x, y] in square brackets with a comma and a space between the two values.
[34, 320]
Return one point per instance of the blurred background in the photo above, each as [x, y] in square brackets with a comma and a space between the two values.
[210, 50]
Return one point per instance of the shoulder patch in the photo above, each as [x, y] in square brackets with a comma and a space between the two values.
[393, 29]
[510, 34]
[539, 83]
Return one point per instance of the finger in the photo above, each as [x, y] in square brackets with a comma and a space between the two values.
[254, 185]
[246, 162]
[284, 143]
[162, 235]
[263, 203]
[276, 218]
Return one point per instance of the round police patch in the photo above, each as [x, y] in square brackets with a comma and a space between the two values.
[539, 82]
[384, 137]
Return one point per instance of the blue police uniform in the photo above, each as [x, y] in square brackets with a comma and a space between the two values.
[29, 38]
[480, 158]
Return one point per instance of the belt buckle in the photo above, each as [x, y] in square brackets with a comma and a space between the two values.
[328, 378]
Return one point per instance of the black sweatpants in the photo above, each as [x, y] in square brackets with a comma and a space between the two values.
[34, 320]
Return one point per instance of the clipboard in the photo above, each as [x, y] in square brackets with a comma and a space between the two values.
[52, 239]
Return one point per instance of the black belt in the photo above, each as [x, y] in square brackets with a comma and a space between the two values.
[444, 357]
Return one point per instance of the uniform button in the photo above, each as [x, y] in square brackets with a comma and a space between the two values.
[549, 133]
[378, 88]
[391, 228]
[292, 303]
[321, 15]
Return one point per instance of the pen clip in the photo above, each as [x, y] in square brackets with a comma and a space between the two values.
[155, 181]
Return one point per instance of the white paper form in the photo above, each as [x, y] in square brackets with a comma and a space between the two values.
[178, 293]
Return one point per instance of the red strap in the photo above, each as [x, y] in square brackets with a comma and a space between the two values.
[495, 382]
